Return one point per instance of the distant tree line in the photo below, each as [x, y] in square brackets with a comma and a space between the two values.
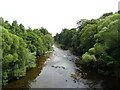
[96, 40]
[20, 47]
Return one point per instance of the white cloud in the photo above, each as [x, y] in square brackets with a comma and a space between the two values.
[54, 14]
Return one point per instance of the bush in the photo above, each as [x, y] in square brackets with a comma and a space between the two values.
[87, 57]
[16, 57]
[92, 51]
[20, 48]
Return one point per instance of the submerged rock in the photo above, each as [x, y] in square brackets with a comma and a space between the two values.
[58, 67]
[74, 76]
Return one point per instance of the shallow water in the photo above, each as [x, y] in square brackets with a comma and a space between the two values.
[57, 69]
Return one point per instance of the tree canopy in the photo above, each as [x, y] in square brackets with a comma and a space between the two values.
[20, 47]
[95, 40]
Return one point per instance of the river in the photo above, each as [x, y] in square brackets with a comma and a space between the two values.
[57, 69]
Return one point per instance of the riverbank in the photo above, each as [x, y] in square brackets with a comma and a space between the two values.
[100, 68]
[67, 48]
[58, 69]
[62, 46]
[97, 66]
[31, 74]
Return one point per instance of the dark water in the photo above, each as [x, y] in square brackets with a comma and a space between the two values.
[57, 69]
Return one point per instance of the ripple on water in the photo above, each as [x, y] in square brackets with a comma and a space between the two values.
[57, 69]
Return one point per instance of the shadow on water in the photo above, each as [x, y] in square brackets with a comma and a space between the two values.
[94, 80]
[57, 69]
[30, 75]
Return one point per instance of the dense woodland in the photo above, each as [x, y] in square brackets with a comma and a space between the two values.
[97, 41]
[20, 48]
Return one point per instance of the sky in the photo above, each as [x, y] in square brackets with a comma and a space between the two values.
[54, 15]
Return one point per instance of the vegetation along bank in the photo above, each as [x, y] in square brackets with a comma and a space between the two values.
[20, 48]
[97, 41]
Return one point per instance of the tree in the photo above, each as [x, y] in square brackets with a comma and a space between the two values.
[16, 57]
[106, 15]
[44, 31]
[20, 47]
[96, 40]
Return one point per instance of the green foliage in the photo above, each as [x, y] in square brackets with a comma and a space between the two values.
[95, 40]
[106, 57]
[1, 21]
[20, 48]
[83, 22]
[44, 31]
[34, 43]
[92, 51]
[99, 48]
[16, 57]
[79, 38]
[87, 37]
[87, 57]
[106, 15]
[49, 41]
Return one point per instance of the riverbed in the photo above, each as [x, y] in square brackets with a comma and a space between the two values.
[57, 69]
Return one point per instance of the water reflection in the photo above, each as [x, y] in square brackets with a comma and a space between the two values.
[25, 81]
[57, 69]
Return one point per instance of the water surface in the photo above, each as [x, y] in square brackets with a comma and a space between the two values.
[57, 69]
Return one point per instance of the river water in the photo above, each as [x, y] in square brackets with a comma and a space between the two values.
[57, 69]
